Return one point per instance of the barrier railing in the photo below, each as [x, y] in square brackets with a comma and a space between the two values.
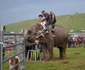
[19, 50]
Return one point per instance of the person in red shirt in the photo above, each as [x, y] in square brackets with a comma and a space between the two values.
[8, 49]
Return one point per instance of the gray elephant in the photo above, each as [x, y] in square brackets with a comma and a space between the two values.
[59, 38]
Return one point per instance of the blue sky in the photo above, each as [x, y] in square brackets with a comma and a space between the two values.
[12, 11]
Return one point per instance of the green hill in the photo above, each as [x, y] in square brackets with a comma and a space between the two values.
[76, 22]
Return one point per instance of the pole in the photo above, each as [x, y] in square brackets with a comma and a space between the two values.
[1, 49]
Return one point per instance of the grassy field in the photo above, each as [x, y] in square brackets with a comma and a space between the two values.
[76, 22]
[75, 61]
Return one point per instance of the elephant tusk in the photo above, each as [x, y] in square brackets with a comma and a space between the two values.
[37, 37]
[40, 35]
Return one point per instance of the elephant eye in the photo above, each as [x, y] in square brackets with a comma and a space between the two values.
[34, 33]
[29, 32]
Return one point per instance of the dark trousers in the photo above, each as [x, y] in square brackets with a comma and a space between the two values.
[27, 48]
[47, 23]
[53, 25]
[3, 53]
[26, 52]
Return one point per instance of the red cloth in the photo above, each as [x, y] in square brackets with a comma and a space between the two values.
[50, 17]
[8, 49]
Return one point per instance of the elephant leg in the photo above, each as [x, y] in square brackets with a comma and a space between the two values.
[50, 50]
[44, 50]
[62, 52]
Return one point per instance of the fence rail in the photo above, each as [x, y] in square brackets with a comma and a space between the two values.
[13, 45]
[13, 34]
[12, 57]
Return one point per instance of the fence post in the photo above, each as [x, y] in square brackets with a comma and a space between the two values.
[20, 48]
[15, 49]
[1, 49]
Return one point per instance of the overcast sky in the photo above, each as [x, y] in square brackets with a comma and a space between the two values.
[12, 11]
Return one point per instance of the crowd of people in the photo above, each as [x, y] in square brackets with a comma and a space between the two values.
[76, 42]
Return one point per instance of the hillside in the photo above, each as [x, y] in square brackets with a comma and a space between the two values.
[76, 22]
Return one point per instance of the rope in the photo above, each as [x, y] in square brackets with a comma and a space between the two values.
[65, 19]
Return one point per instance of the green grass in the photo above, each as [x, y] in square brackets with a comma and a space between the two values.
[75, 61]
[76, 22]
[16, 27]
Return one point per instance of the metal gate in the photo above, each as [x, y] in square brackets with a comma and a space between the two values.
[19, 50]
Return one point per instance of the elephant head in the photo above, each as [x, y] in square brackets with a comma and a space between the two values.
[32, 31]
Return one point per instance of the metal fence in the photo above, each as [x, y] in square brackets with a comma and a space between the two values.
[19, 50]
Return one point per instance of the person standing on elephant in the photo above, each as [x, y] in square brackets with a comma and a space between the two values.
[47, 19]
[52, 20]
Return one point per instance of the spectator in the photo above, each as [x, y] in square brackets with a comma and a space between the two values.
[70, 42]
[79, 42]
[29, 45]
[74, 42]
[38, 47]
[84, 41]
[8, 49]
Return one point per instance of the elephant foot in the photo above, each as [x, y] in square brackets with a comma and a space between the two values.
[45, 59]
[62, 58]
[51, 59]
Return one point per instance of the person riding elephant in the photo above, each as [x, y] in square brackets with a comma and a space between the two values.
[41, 17]
[52, 20]
[60, 39]
[47, 19]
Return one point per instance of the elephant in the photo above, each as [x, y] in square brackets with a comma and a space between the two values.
[58, 38]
